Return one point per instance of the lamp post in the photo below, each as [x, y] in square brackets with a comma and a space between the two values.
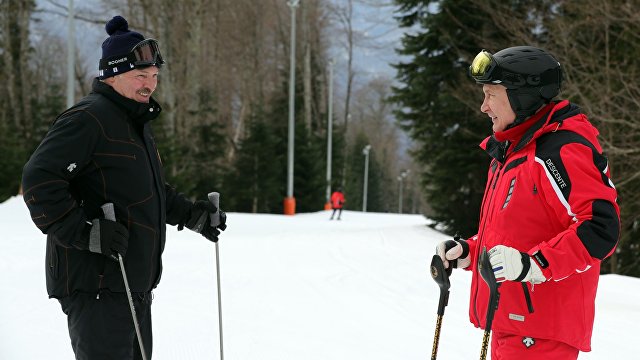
[70, 57]
[327, 205]
[401, 178]
[365, 152]
[290, 201]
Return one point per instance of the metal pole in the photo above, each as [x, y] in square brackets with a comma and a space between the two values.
[401, 178]
[441, 277]
[70, 57]
[110, 214]
[400, 196]
[214, 198]
[365, 151]
[219, 301]
[292, 77]
[329, 130]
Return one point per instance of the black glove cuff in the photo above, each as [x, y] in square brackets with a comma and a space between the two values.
[465, 248]
[526, 265]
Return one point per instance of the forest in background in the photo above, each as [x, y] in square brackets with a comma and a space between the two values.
[224, 93]
[597, 43]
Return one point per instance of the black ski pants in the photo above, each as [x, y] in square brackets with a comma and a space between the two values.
[101, 326]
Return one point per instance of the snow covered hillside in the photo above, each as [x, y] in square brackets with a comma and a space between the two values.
[300, 287]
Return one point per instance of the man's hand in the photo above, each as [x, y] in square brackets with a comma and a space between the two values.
[199, 220]
[109, 238]
[511, 264]
[455, 251]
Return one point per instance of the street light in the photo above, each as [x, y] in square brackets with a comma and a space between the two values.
[327, 205]
[344, 158]
[401, 177]
[365, 152]
[70, 57]
[290, 201]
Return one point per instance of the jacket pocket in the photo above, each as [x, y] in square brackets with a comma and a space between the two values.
[52, 258]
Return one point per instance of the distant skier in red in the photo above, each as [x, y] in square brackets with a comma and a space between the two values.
[337, 200]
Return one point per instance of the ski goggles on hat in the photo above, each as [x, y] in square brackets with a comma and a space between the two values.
[145, 53]
[482, 67]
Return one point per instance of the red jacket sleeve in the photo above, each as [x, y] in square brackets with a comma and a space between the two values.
[574, 178]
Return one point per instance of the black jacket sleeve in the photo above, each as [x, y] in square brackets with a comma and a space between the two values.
[63, 153]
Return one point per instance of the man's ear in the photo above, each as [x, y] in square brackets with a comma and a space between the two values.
[109, 80]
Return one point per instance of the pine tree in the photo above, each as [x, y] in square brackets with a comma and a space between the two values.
[431, 111]
[254, 184]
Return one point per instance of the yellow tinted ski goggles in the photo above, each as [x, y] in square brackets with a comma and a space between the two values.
[482, 66]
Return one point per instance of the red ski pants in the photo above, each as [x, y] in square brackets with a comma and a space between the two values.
[516, 347]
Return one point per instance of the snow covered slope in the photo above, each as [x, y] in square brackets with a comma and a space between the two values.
[300, 287]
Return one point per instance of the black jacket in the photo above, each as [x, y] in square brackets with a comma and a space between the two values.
[101, 150]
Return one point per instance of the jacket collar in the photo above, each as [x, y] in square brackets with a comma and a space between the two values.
[138, 113]
[549, 118]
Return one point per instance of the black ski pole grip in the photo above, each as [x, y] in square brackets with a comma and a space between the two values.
[486, 271]
[441, 277]
[214, 197]
[110, 214]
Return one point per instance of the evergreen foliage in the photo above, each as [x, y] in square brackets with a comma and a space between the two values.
[447, 130]
[193, 167]
[257, 180]
[254, 184]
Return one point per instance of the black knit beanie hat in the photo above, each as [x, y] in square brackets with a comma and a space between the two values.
[116, 48]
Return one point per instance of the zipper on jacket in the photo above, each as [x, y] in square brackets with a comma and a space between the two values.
[494, 181]
[53, 259]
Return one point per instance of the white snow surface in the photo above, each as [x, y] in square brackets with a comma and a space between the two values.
[293, 287]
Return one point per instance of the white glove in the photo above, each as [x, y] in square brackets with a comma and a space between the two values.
[456, 250]
[511, 264]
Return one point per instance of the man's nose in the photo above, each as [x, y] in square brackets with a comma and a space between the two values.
[484, 107]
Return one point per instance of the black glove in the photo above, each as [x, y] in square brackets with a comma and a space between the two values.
[109, 238]
[455, 251]
[198, 219]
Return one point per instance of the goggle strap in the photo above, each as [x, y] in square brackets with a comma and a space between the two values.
[106, 70]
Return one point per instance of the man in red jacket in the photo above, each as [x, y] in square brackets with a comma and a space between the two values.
[337, 201]
[549, 214]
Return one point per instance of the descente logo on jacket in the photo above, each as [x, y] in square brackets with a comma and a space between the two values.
[556, 174]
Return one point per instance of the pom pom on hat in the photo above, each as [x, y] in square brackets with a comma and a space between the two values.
[121, 40]
[115, 24]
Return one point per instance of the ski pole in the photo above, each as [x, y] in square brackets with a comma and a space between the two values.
[486, 271]
[109, 214]
[441, 277]
[214, 197]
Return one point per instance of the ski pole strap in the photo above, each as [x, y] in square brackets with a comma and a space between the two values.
[527, 297]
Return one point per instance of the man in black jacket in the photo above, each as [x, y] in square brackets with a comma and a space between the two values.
[100, 151]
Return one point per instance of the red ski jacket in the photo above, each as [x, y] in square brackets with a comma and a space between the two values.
[548, 194]
[337, 200]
